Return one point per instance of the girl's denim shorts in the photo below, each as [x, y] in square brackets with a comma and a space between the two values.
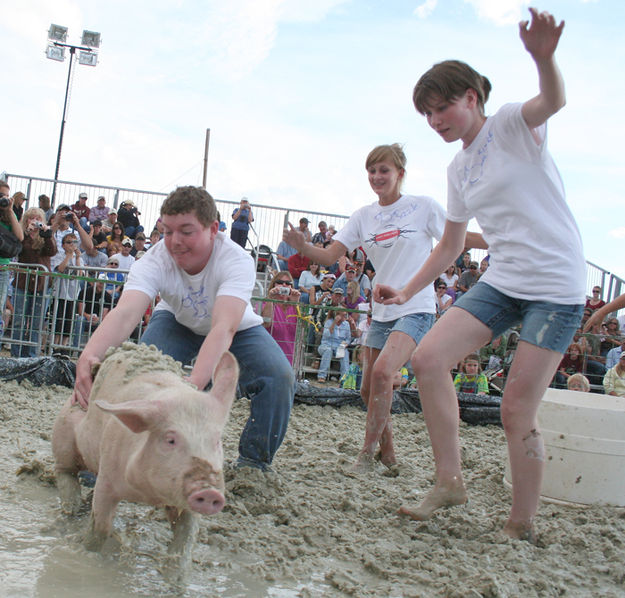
[416, 326]
[544, 324]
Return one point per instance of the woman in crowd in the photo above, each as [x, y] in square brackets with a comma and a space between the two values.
[31, 293]
[443, 299]
[504, 177]
[397, 232]
[115, 239]
[308, 280]
[9, 221]
[280, 319]
[450, 278]
[353, 298]
[614, 380]
[595, 302]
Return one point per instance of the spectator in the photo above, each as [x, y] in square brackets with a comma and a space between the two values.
[283, 253]
[112, 265]
[336, 336]
[297, 263]
[369, 270]
[303, 228]
[308, 280]
[443, 300]
[223, 227]
[242, 217]
[611, 336]
[578, 382]
[44, 204]
[66, 222]
[30, 298]
[115, 239]
[139, 244]
[572, 363]
[614, 380]
[280, 319]
[353, 298]
[94, 258]
[362, 328]
[128, 215]
[98, 236]
[614, 355]
[109, 222]
[321, 238]
[96, 303]
[595, 302]
[100, 211]
[18, 204]
[124, 258]
[353, 378]
[362, 278]
[471, 380]
[348, 276]
[66, 290]
[9, 221]
[484, 265]
[450, 278]
[81, 210]
[493, 354]
[155, 237]
[467, 279]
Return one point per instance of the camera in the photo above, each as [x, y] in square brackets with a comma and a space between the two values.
[284, 291]
[4, 202]
[38, 224]
[69, 217]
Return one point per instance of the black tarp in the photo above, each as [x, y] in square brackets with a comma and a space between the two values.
[40, 371]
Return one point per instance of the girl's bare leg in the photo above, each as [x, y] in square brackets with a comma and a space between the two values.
[451, 339]
[396, 352]
[530, 374]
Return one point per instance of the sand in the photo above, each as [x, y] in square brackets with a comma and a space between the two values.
[313, 528]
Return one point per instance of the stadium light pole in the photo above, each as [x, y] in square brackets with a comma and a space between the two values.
[88, 55]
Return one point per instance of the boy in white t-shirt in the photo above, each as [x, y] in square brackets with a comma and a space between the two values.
[205, 282]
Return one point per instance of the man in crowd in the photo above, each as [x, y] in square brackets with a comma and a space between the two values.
[139, 244]
[81, 210]
[100, 211]
[205, 281]
[321, 237]
[65, 222]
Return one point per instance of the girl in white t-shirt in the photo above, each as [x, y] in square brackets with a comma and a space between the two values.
[504, 177]
[397, 232]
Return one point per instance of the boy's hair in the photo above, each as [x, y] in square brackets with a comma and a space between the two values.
[185, 200]
[393, 153]
[449, 81]
[472, 357]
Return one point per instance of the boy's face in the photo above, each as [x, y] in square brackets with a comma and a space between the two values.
[471, 367]
[188, 241]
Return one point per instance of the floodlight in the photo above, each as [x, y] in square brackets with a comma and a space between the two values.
[55, 53]
[91, 39]
[87, 58]
[57, 33]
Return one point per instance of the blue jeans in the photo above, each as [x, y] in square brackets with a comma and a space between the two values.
[131, 231]
[327, 352]
[5, 277]
[265, 377]
[28, 317]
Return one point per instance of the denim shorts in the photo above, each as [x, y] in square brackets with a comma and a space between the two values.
[415, 326]
[544, 324]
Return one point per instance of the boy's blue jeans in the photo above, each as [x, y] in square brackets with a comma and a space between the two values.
[266, 378]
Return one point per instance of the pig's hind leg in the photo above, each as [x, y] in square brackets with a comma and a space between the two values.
[67, 462]
[101, 518]
[184, 525]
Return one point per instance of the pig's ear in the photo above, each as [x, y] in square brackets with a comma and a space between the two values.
[225, 379]
[137, 416]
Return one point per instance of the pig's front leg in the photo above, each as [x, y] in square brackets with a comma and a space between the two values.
[101, 518]
[69, 492]
[185, 527]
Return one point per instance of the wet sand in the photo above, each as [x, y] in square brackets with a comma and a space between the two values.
[310, 528]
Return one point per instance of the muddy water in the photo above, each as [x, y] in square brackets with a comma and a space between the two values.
[310, 529]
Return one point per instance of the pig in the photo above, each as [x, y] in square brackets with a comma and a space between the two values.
[151, 438]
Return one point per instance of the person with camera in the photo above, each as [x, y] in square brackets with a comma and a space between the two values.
[242, 217]
[30, 292]
[128, 215]
[280, 319]
[66, 222]
[9, 222]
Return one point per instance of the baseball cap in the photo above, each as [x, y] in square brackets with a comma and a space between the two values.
[139, 236]
[127, 242]
[97, 223]
[112, 211]
[329, 275]
[338, 290]
[304, 220]
[63, 206]
[350, 269]
[129, 202]
[82, 196]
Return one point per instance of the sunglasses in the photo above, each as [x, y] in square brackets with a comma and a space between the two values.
[285, 282]
[472, 267]
[112, 264]
[71, 242]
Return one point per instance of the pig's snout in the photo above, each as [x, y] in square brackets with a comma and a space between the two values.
[207, 502]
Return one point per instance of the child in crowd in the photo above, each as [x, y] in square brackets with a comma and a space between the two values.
[353, 377]
[471, 379]
[578, 382]
[505, 178]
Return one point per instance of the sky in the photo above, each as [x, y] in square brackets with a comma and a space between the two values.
[297, 92]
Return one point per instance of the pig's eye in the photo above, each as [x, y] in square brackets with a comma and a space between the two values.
[170, 439]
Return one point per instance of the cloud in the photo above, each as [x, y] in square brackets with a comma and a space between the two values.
[500, 12]
[423, 11]
[617, 233]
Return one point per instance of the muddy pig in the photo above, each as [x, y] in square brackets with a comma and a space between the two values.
[151, 438]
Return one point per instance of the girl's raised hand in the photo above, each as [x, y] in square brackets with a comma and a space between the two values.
[541, 37]
[382, 293]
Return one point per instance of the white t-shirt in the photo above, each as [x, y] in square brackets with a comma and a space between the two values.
[125, 261]
[398, 240]
[230, 271]
[449, 280]
[512, 187]
[308, 279]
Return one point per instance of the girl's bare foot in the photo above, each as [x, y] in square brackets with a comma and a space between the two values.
[364, 463]
[520, 530]
[442, 495]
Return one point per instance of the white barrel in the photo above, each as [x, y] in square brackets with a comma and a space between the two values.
[584, 436]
